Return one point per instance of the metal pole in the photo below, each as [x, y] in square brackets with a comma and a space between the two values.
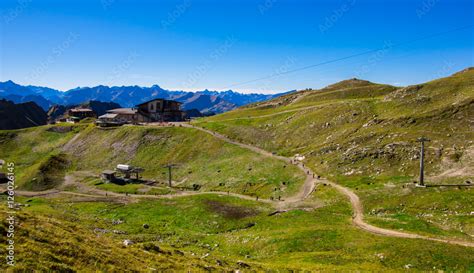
[422, 165]
[169, 176]
[422, 160]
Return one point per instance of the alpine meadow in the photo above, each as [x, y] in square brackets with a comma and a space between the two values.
[340, 138]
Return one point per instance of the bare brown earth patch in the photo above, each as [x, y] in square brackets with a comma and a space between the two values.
[230, 211]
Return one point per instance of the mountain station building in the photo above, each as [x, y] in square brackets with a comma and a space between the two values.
[156, 110]
[76, 114]
[161, 110]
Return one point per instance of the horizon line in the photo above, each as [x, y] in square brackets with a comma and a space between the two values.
[241, 91]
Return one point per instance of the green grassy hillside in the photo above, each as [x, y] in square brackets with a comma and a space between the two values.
[363, 135]
[50, 239]
[201, 159]
[211, 232]
[356, 133]
[39, 162]
[45, 154]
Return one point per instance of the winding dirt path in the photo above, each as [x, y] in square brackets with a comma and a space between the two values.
[358, 220]
[309, 183]
[98, 193]
[305, 191]
[357, 208]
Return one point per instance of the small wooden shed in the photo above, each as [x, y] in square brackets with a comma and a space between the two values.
[108, 175]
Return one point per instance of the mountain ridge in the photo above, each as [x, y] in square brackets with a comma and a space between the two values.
[22, 115]
[128, 96]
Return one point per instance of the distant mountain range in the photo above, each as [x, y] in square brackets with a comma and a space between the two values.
[128, 96]
[98, 107]
[22, 115]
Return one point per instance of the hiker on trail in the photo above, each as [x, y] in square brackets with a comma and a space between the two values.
[257, 198]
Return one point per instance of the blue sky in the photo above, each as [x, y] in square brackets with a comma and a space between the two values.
[193, 45]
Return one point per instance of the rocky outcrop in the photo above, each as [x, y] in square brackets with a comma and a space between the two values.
[22, 115]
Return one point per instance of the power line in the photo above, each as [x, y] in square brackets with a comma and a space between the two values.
[350, 56]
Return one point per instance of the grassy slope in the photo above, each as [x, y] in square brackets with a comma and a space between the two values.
[362, 135]
[52, 233]
[201, 158]
[215, 232]
[49, 238]
[39, 163]
[43, 157]
[216, 229]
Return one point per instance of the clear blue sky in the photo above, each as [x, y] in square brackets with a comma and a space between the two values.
[193, 45]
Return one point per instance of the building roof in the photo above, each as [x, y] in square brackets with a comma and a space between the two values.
[109, 115]
[123, 111]
[80, 110]
[108, 172]
[146, 102]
